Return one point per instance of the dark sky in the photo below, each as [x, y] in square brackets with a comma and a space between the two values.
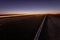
[29, 5]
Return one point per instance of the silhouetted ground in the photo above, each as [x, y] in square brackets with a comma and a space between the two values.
[53, 23]
[51, 28]
[20, 27]
[25, 27]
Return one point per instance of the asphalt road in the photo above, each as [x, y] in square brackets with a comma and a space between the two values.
[53, 23]
[25, 27]
[51, 28]
[20, 27]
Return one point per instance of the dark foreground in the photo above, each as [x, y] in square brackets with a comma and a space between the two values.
[51, 28]
[25, 27]
[20, 27]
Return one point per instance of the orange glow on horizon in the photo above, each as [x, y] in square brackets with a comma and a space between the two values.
[28, 13]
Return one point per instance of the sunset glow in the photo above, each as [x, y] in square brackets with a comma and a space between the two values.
[29, 13]
[30, 7]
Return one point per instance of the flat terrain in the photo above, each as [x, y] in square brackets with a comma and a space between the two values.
[25, 27]
[20, 27]
[51, 28]
[53, 23]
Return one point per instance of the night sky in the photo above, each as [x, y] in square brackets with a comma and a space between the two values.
[29, 5]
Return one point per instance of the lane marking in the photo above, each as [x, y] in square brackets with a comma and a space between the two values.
[39, 30]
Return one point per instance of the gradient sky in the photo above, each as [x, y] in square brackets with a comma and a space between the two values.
[29, 5]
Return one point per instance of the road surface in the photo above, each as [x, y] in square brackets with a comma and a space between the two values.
[26, 27]
[20, 27]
